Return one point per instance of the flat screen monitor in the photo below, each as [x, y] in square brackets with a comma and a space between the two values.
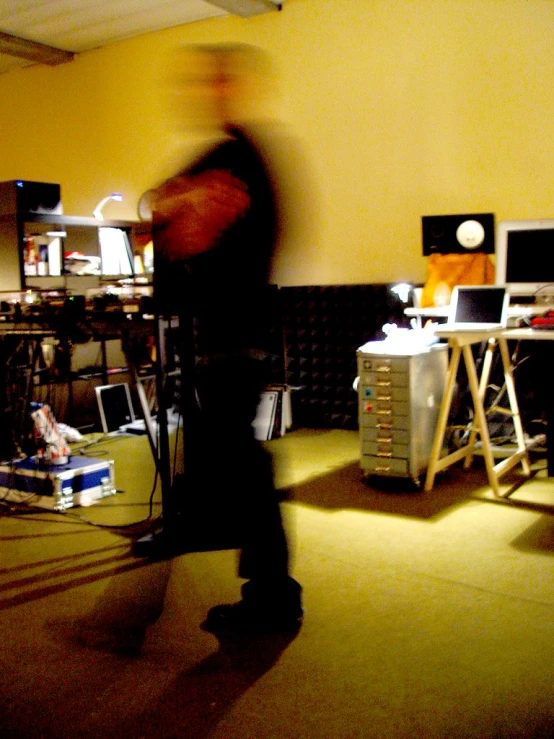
[115, 252]
[525, 258]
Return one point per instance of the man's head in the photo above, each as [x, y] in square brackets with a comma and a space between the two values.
[222, 83]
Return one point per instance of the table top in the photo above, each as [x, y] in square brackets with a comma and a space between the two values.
[533, 334]
[472, 337]
[514, 310]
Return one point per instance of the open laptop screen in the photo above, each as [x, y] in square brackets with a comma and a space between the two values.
[114, 404]
[479, 304]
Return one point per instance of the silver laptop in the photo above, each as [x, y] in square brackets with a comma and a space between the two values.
[478, 308]
[116, 410]
[117, 414]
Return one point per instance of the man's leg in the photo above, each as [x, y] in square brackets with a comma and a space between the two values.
[271, 598]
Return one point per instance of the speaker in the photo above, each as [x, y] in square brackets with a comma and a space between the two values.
[22, 196]
[458, 234]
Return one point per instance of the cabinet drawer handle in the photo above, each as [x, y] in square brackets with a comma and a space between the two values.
[386, 426]
[384, 412]
[384, 383]
[382, 368]
[384, 454]
[378, 468]
[384, 397]
[384, 440]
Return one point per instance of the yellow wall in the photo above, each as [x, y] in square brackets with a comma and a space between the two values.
[401, 107]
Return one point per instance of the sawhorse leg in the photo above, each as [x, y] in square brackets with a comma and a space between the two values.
[480, 426]
[435, 462]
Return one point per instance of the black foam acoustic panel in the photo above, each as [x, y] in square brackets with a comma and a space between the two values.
[324, 325]
[467, 233]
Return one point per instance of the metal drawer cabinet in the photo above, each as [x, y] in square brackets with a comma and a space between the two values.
[400, 392]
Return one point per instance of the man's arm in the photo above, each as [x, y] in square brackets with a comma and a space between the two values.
[190, 213]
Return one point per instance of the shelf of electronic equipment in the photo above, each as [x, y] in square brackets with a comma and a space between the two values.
[46, 250]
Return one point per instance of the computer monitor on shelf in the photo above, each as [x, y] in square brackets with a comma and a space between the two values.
[525, 259]
[115, 252]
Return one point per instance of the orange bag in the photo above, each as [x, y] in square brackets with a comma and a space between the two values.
[445, 271]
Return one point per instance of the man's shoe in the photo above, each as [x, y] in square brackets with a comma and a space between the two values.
[248, 617]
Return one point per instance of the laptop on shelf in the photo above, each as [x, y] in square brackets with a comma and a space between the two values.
[477, 308]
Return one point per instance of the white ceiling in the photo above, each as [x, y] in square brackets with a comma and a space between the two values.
[81, 25]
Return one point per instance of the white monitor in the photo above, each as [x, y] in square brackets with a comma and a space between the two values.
[115, 251]
[525, 258]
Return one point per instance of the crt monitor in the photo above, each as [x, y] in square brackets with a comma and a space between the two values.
[525, 258]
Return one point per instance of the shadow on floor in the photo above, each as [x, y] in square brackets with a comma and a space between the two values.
[344, 488]
[200, 697]
[538, 538]
[44, 577]
[196, 698]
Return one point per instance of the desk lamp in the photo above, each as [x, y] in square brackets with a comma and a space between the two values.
[97, 212]
[402, 290]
